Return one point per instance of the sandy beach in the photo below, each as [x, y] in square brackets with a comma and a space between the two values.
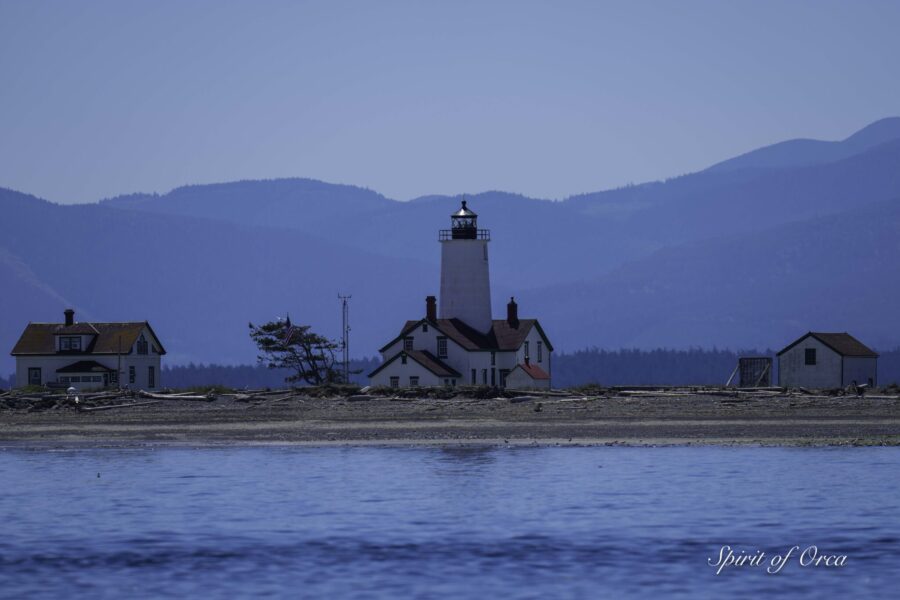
[645, 419]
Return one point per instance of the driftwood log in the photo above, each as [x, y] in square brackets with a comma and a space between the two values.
[114, 406]
[145, 394]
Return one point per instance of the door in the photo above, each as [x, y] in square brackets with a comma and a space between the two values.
[151, 377]
[34, 376]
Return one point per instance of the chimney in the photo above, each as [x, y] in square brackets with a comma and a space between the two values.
[512, 313]
[70, 316]
[431, 308]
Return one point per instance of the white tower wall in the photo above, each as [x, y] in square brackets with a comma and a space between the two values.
[465, 283]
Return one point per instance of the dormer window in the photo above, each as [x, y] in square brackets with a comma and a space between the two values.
[142, 346]
[70, 343]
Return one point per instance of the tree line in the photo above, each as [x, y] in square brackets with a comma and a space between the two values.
[696, 366]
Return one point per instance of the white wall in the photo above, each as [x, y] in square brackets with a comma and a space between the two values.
[826, 373]
[860, 370]
[465, 283]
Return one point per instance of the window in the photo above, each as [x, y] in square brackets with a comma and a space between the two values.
[34, 376]
[114, 377]
[70, 343]
[474, 377]
[540, 350]
[442, 347]
[526, 351]
[131, 374]
[810, 356]
[493, 358]
[424, 327]
[151, 377]
[142, 345]
[63, 379]
[395, 381]
[408, 343]
[484, 376]
[403, 359]
[413, 381]
[75, 379]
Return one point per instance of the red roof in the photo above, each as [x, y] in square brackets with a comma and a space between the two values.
[501, 337]
[533, 371]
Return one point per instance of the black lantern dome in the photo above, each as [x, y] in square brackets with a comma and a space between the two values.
[464, 226]
[464, 223]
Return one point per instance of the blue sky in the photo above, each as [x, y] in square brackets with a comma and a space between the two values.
[546, 99]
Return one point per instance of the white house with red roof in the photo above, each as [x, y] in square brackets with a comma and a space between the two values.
[462, 344]
[88, 355]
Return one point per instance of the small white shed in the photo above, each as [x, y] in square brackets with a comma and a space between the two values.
[528, 376]
[827, 360]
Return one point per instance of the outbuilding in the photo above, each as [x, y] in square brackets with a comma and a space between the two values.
[827, 360]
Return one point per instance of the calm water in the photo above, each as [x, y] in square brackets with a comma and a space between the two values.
[424, 522]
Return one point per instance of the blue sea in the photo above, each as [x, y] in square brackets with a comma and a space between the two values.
[463, 522]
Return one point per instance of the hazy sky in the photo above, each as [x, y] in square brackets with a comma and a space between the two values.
[408, 98]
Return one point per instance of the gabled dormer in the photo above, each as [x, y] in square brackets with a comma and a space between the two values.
[72, 337]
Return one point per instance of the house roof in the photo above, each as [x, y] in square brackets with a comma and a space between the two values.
[501, 337]
[532, 370]
[424, 358]
[84, 366]
[40, 338]
[842, 343]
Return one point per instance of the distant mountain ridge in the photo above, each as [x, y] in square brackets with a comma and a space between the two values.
[805, 152]
[739, 255]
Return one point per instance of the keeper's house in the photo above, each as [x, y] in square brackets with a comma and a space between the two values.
[462, 344]
[827, 361]
[88, 355]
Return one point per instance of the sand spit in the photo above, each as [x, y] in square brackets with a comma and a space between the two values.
[645, 417]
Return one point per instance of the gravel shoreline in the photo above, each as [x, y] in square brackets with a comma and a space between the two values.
[646, 420]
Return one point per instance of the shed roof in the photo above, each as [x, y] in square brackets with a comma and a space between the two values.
[532, 370]
[84, 366]
[842, 343]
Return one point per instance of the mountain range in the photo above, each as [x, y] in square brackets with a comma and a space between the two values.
[751, 252]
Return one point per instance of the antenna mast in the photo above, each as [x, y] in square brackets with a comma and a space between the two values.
[345, 331]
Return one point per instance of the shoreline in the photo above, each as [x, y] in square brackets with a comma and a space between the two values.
[645, 421]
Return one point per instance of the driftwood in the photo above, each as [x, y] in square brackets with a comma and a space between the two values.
[281, 399]
[143, 394]
[113, 406]
[101, 396]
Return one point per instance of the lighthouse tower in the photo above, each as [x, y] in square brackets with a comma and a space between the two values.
[465, 280]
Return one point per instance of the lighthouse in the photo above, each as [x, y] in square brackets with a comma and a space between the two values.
[465, 277]
[457, 343]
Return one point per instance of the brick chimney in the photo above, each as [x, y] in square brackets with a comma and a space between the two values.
[431, 308]
[70, 316]
[512, 313]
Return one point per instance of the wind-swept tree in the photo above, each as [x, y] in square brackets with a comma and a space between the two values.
[283, 345]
